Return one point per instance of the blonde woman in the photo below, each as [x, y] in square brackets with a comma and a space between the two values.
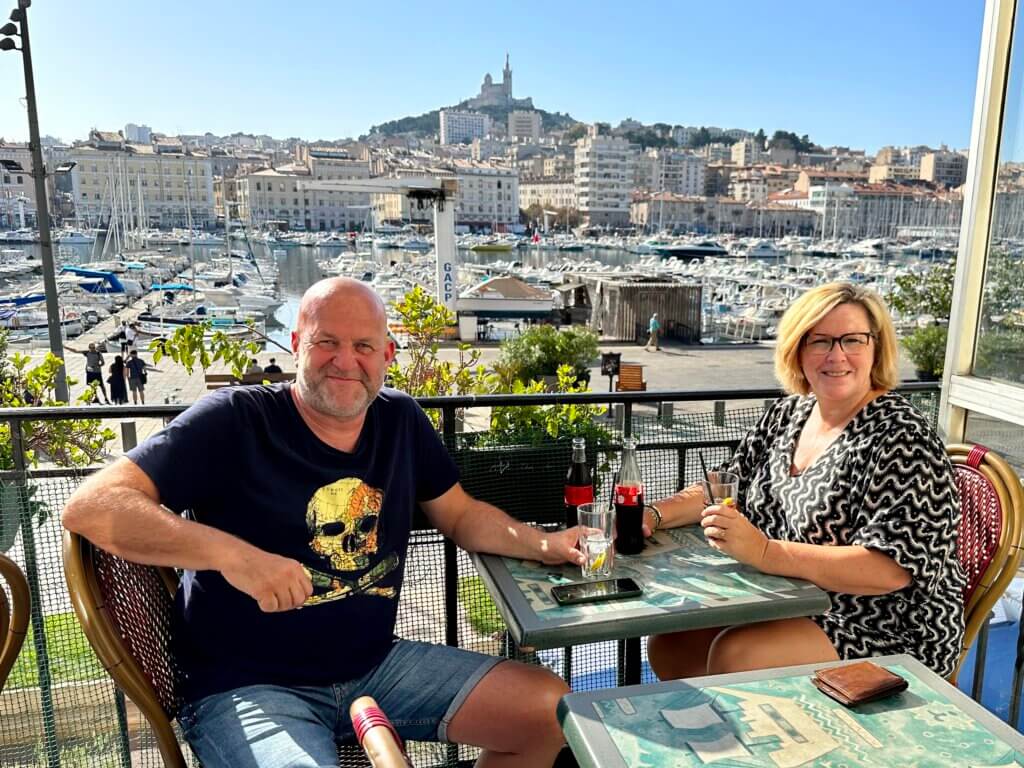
[845, 484]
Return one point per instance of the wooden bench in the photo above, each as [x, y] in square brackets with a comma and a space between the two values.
[218, 380]
[631, 378]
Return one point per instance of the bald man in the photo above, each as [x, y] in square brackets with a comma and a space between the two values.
[278, 498]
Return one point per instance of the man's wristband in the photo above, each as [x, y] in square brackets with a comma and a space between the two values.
[657, 516]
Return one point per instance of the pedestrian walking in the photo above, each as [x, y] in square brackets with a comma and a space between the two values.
[653, 331]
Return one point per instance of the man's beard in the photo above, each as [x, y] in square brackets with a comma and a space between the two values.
[314, 389]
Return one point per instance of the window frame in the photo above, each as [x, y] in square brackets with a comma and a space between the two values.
[962, 391]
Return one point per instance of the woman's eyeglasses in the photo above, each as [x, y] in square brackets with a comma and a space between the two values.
[850, 343]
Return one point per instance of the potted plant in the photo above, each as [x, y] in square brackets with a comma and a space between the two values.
[538, 353]
[927, 349]
[520, 463]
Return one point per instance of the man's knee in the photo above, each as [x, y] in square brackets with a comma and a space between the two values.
[513, 709]
[542, 690]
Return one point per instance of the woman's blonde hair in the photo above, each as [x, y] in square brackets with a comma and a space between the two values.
[809, 310]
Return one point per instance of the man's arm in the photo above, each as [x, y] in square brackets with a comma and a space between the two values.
[477, 526]
[118, 509]
[682, 508]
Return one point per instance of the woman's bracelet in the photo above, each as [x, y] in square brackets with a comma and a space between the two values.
[657, 516]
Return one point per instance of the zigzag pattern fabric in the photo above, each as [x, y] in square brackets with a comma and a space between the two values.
[885, 483]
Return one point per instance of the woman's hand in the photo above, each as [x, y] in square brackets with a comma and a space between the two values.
[728, 530]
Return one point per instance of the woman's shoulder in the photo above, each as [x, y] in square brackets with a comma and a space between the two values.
[781, 412]
[898, 414]
[897, 422]
[785, 407]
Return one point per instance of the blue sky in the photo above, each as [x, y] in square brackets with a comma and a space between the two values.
[862, 74]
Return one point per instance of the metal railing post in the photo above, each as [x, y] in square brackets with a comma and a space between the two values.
[451, 569]
[28, 541]
[129, 437]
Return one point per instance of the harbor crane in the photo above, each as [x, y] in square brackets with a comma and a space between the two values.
[438, 192]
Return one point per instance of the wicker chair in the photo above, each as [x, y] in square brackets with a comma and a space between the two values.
[991, 527]
[125, 610]
[13, 616]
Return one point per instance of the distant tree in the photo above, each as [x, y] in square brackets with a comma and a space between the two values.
[701, 138]
[662, 129]
[648, 138]
[577, 131]
[789, 140]
[532, 214]
[759, 137]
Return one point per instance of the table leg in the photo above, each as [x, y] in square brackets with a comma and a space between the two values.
[629, 661]
[980, 654]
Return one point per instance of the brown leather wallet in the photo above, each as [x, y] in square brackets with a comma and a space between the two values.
[859, 683]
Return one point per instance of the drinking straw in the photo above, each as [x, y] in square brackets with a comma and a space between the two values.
[707, 479]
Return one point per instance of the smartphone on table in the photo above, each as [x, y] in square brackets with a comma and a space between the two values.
[595, 591]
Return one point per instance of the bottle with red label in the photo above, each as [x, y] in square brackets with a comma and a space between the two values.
[629, 503]
[579, 484]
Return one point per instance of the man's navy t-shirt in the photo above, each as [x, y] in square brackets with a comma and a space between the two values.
[243, 460]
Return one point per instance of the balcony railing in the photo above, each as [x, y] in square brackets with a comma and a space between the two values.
[59, 708]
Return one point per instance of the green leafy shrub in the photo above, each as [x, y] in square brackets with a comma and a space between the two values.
[189, 345]
[927, 348]
[542, 349]
[426, 321]
[67, 443]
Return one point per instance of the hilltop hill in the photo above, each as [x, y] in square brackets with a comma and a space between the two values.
[430, 122]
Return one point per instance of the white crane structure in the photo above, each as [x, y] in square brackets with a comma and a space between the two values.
[441, 195]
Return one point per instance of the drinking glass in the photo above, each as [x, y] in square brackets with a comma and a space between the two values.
[597, 523]
[722, 486]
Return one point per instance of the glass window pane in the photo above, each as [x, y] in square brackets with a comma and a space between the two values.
[1004, 438]
[1000, 351]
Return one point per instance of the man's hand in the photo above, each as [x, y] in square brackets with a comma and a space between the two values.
[556, 547]
[728, 530]
[276, 583]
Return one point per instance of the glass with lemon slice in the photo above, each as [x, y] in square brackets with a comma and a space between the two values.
[596, 523]
[723, 486]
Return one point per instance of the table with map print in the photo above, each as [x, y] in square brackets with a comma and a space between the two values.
[777, 718]
[686, 585]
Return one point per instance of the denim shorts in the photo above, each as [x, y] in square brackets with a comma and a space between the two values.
[419, 686]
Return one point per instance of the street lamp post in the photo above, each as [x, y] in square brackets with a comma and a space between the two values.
[7, 43]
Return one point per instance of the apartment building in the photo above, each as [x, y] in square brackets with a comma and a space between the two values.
[488, 197]
[943, 167]
[548, 193]
[459, 127]
[665, 211]
[524, 125]
[559, 166]
[879, 173]
[170, 185]
[603, 175]
[747, 152]
[757, 184]
[17, 187]
[335, 209]
[275, 196]
[667, 170]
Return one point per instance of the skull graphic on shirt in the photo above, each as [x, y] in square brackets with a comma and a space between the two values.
[343, 518]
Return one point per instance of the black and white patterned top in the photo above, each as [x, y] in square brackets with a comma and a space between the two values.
[885, 483]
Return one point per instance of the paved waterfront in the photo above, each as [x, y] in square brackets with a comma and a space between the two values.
[674, 367]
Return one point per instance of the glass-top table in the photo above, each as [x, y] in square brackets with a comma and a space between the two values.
[777, 718]
[687, 585]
